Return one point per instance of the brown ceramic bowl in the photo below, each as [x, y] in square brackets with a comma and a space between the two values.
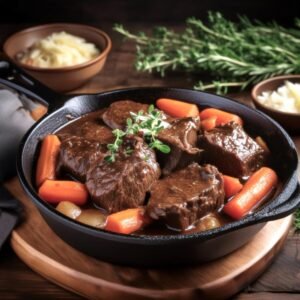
[65, 78]
[290, 121]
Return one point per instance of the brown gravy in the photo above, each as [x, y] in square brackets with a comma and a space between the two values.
[212, 220]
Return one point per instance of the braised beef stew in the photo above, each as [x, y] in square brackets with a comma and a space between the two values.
[169, 182]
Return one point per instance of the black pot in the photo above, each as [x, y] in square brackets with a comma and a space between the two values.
[152, 250]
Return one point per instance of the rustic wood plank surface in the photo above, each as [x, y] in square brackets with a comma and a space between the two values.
[17, 281]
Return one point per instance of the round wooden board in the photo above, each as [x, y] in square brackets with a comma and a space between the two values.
[44, 252]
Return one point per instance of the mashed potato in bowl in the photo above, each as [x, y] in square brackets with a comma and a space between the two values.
[286, 98]
[60, 49]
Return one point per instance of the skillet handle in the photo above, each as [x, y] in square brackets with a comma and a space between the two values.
[282, 210]
[14, 77]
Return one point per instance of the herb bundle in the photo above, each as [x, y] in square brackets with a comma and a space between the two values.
[235, 54]
[148, 124]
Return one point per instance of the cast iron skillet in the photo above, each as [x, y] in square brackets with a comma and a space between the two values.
[151, 250]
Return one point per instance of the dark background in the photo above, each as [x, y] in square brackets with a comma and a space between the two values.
[97, 11]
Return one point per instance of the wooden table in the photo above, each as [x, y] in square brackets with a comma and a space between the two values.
[17, 281]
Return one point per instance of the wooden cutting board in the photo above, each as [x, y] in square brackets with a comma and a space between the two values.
[38, 246]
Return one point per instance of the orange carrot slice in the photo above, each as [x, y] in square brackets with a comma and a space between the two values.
[209, 123]
[55, 191]
[232, 186]
[177, 109]
[255, 189]
[47, 159]
[223, 117]
[127, 221]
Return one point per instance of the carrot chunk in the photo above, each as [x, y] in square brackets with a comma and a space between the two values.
[209, 123]
[177, 109]
[126, 221]
[255, 189]
[223, 117]
[47, 159]
[232, 185]
[55, 191]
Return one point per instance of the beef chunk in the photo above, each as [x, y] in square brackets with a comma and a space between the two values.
[93, 130]
[78, 154]
[118, 112]
[124, 183]
[186, 195]
[230, 149]
[181, 136]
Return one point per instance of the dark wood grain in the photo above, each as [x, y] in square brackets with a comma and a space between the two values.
[17, 281]
[284, 275]
[267, 296]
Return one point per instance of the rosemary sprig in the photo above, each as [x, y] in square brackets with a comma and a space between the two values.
[236, 54]
[149, 125]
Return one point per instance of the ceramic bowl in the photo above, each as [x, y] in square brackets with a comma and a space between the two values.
[61, 79]
[290, 121]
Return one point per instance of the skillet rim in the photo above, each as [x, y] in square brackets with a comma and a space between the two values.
[252, 219]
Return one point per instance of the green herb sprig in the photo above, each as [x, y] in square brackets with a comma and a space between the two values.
[297, 220]
[149, 125]
[236, 54]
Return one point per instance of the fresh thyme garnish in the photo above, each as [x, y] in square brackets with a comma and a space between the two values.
[113, 148]
[149, 125]
[236, 54]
